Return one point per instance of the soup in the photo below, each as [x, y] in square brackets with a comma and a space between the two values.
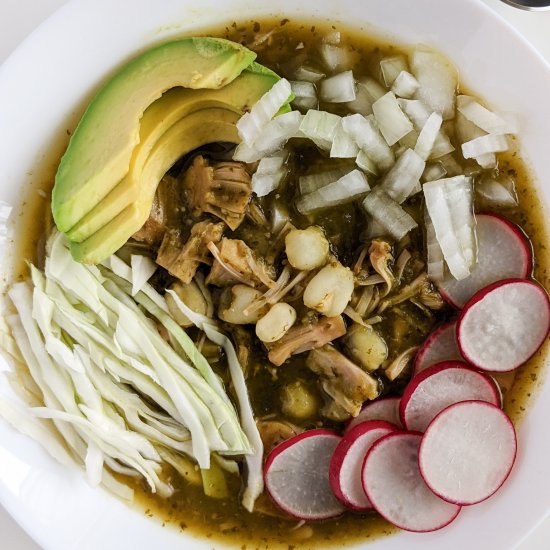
[295, 361]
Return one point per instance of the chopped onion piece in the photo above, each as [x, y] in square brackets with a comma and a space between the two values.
[405, 85]
[438, 81]
[418, 113]
[388, 214]
[273, 164]
[251, 125]
[320, 127]
[487, 160]
[337, 58]
[436, 261]
[491, 143]
[434, 171]
[269, 174]
[332, 38]
[483, 118]
[308, 74]
[338, 88]
[404, 176]
[343, 145]
[450, 206]
[342, 191]
[391, 67]
[428, 135]
[366, 164]
[312, 182]
[305, 96]
[498, 193]
[393, 123]
[366, 134]
[274, 136]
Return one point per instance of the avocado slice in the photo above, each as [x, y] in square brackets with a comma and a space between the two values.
[99, 153]
[195, 130]
[173, 106]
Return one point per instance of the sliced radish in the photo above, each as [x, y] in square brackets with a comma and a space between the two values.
[441, 345]
[394, 486]
[467, 452]
[441, 385]
[385, 408]
[504, 325]
[347, 463]
[296, 475]
[503, 251]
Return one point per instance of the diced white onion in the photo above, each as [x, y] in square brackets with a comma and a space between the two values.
[342, 191]
[320, 127]
[269, 174]
[343, 145]
[388, 214]
[264, 184]
[339, 88]
[366, 134]
[252, 124]
[483, 118]
[498, 193]
[402, 179]
[438, 81]
[428, 135]
[405, 85]
[393, 123]
[391, 67]
[274, 136]
[487, 160]
[308, 74]
[434, 171]
[450, 206]
[312, 182]
[491, 143]
[366, 164]
[436, 261]
[337, 58]
[305, 96]
[418, 113]
[332, 38]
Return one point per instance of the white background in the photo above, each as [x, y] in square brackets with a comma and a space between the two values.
[19, 17]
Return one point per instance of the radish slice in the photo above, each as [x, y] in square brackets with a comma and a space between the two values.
[441, 345]
[395, 488]
[386, 408]
[296, 475]
[439, 386]
[503, 252]
[504, 325]
[347, 463]
[467, 452]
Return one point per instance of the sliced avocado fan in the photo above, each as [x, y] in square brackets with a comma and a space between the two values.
[100, 150]
[173, 107]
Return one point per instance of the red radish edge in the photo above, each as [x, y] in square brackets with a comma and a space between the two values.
[433, 426]
[480, 295]
[392, 400]
[521, 237]
[428, 343]
[435, 369]
[338, 460]
[283, 447]
[370, 454]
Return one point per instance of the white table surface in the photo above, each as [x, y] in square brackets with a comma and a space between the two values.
[19, 17]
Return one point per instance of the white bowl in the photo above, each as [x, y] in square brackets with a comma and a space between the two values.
[43, 87]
